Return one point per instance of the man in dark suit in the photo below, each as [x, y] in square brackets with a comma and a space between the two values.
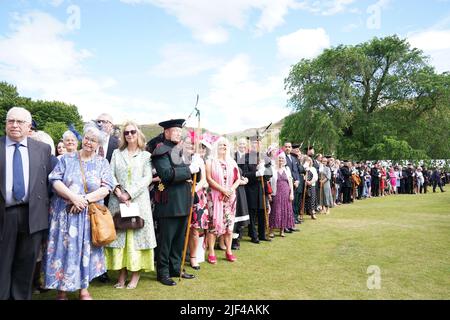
[292, 163]
[242, 216]
[347, 185]
[111, 142]
[375, 176]
[172, 201]
[410, 179]
[257, 167]
[24, 168]
[298, 194]
[436, 180]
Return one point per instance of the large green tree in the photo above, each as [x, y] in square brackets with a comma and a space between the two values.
[363, 100]
[54, 116]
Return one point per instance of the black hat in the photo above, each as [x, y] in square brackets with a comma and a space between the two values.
[172, 123]
[33, 125]
[295, 145]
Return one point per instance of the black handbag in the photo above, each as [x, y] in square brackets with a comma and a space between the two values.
[128, 223]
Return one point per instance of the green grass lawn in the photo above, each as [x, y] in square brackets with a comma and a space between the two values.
[406, 236]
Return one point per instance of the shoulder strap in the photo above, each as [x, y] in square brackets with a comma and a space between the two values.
[82, 173]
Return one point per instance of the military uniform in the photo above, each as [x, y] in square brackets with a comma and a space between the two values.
[172, 206]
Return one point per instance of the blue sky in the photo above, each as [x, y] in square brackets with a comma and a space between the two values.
[146, 60]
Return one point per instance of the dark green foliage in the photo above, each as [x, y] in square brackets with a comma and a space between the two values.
[51, 116]
[379, 99]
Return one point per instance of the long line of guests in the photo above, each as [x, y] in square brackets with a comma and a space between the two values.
[267, 191]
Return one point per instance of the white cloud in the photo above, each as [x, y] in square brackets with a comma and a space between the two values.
[181, 60]
[208, 20]
[303, 43]
[436, 44]
[335, 7]
[240, 98]
[42, 64]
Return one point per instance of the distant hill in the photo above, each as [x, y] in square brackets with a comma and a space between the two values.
[152, 130]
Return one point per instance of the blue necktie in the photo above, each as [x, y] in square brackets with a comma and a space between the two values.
[18, 182]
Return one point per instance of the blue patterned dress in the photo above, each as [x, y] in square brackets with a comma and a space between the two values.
[70, 260]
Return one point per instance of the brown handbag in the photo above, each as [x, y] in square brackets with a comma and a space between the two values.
[127, 223]
[102, 225]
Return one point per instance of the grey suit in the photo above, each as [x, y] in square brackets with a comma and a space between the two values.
[22, 226]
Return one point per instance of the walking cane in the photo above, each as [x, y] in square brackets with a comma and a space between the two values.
[188, 227]
[266, 215]
[321, 196]
[302, 207]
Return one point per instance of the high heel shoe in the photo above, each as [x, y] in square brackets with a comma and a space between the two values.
[132, 285]
[119, 285]
[195, 267]
[230, 257]
[212, 259]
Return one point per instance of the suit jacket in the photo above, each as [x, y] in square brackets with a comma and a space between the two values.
[293, 166]
[254, 189]
[113, 144]
[40, 166]
[346, 174]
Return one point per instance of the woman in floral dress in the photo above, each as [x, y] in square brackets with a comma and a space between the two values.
[71, 261]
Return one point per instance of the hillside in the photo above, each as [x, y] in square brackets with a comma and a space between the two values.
[152, 130]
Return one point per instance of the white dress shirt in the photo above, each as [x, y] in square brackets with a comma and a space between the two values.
[9, 148]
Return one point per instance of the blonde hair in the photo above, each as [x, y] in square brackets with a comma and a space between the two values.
[140, 136]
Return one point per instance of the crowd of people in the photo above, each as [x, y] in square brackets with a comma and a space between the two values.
[194, 191]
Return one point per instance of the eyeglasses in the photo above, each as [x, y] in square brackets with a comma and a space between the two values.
[12, 121]
[91, 140]
[133, 132]
[103, 121]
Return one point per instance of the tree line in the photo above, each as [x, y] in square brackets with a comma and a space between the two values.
[53, 117]
[380, 99]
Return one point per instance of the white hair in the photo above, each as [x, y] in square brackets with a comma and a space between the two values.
[68, 134]
[90, 127]
[45, 138]
[215, 149]
[22, 111]
[106, 115]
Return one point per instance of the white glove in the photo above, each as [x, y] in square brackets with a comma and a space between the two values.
[260, 172]
[196, 159]
[194, 167]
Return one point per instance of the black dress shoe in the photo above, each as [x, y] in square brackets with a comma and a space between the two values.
[195, 267]
[184, 275]
[104, 278]
[235, 247]
[167, 281]
[255, 240]
[294, 229]
[287, 230]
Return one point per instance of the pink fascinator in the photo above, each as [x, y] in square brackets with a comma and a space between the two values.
[208, 139]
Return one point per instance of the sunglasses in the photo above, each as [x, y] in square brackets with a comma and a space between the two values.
[133, 132]
[103, 121]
